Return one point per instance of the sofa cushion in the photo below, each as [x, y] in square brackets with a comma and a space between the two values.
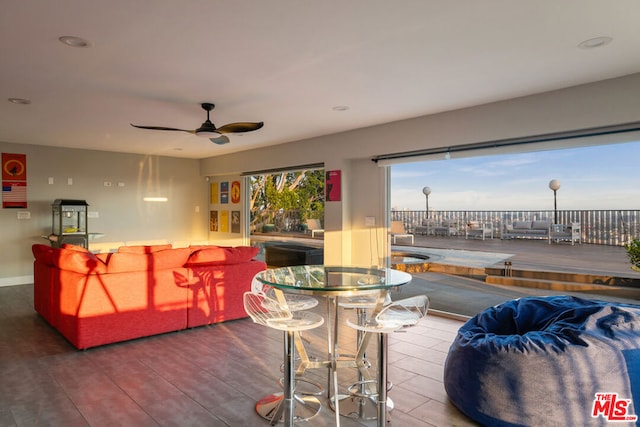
[199, 247]
[540, 225]
[43, 253]
[72, 260]
[81, 261]
[143, 249]
[536, 232]
[74, 247]
[120, 262]
[522, 225]
[223, 255]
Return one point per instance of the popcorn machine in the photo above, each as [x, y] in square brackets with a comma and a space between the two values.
[69, 223]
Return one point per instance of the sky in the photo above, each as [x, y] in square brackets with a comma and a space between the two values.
[599, 177]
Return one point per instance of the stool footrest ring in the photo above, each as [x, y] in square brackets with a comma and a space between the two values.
[318, 386]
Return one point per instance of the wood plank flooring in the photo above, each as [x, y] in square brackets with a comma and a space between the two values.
[207, 376]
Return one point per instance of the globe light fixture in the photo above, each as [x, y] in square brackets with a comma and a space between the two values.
[554, 185]
[426, 191]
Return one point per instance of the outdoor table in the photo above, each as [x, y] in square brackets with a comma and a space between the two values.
[333, 282]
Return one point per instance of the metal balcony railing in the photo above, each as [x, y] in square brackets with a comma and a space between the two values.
[601, 227]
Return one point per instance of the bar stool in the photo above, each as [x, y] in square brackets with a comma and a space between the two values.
[295, 302]
[394, 317]
[360, 403]
[271, 313]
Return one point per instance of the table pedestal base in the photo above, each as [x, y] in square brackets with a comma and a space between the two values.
[271, 407]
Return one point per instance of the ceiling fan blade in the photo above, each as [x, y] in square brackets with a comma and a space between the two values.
[162, 128]
[222, 139]
[240, 127]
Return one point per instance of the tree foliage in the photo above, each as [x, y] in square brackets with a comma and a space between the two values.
[301, 192]
[633, 252]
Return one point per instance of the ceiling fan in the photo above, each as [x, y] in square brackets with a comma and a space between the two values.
[209, 130]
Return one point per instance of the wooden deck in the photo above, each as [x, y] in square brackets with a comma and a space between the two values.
[526, 254]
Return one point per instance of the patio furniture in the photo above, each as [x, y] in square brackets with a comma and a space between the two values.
[314, 226]
[542, 361]
[479, 229]
[446, 228]
[426, 228]
[564, 232]
[398, 230]
[526, 230]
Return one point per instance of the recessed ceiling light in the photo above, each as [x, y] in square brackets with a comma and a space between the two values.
[74, 41]
[20, 101]
[595, 42]
[340, 108]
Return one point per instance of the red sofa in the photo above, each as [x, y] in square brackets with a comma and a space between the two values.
[96, 299]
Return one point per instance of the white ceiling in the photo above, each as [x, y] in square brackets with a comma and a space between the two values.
[287, 63]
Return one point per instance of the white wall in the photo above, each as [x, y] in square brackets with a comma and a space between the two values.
[123, 216]
[603, 103]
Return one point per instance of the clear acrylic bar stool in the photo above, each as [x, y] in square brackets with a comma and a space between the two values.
[394, 317]
[295, 302]
[287, 406]
[360, 402]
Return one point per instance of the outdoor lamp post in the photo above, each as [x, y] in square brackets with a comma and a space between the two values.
[426, 191]
[554, 184]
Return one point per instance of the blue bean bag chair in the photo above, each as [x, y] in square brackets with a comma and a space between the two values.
[548, 361]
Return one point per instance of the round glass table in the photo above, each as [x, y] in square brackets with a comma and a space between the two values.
[333, 282]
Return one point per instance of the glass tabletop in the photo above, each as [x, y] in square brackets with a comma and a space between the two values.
[332, 279]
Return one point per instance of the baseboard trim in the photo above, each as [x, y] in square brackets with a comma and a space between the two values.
[15, 281]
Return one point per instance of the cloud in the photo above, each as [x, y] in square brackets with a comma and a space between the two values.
[602, 177]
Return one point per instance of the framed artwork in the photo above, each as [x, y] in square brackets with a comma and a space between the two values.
[332, 188]
[224, 192]
[14, 181]
[224, 222]
[235, 221]
[235, 192]
[14, 195]
[214, 193]
[213, 221]
[14, 167]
